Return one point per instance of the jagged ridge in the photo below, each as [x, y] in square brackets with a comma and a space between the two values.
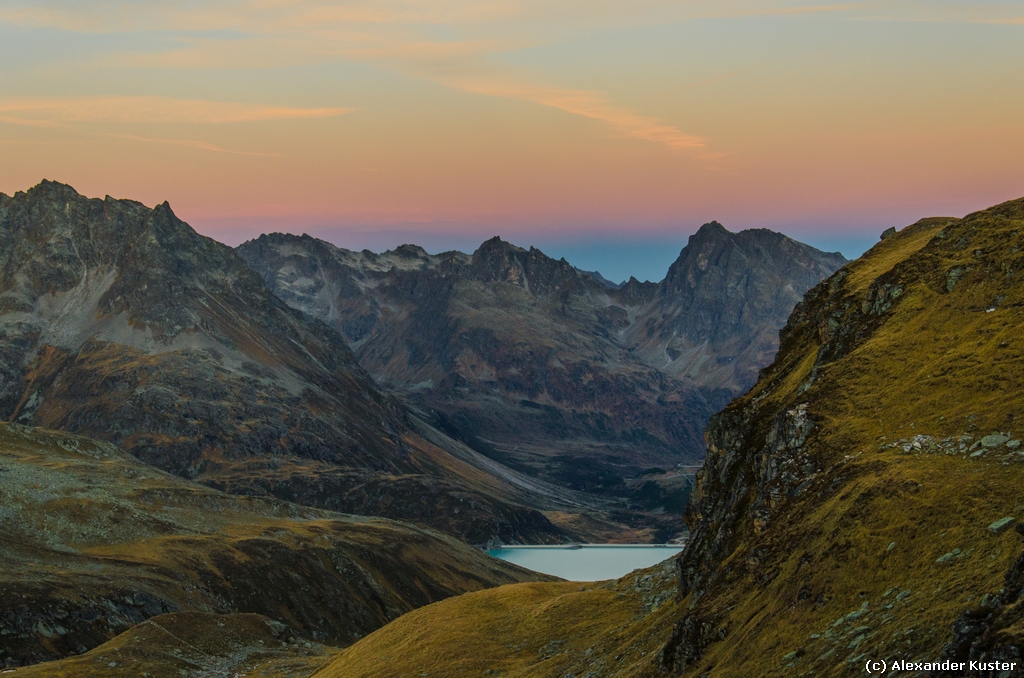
[545, 367]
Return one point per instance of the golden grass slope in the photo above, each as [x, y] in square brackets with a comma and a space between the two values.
[95, 542]
[524, 630]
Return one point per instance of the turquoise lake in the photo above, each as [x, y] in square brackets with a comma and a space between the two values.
[593, 562]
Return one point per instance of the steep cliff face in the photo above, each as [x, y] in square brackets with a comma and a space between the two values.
[546, 367]
[121, 322]
[95, 542]
[855, 502]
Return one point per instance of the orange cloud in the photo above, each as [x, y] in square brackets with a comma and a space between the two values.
[591, 105]
[26, 122]
[145, 109]
[200, 145]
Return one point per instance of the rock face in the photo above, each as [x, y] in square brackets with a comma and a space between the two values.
[854, 502]
[718, 312]
[121, 322]
[548, 368]
[95, 542]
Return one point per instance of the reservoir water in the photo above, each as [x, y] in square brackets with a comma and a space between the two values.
[591, 562]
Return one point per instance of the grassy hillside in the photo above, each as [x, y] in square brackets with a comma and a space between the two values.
[524, 630]
[95, 542]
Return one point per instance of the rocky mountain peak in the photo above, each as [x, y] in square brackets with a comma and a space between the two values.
[499, 261]
[717, 313]
[107, 257]
[496, 259]
[766, 269]
[52, 191]
[410, 252]
[712, 229]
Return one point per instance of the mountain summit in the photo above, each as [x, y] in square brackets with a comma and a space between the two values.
[717, 313]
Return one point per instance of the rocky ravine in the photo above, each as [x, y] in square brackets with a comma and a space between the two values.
[121, 322]
[548, 368]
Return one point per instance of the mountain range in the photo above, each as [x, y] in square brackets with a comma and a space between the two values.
[549, 369]
[519, 399]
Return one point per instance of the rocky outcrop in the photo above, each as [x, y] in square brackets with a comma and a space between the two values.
[756, 446]
[992, 630]
[549, 368]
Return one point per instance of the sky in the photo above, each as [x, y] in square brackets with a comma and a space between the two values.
[604, 131]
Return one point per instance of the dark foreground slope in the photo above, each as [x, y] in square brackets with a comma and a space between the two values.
[122, 323]
[93, 542]
[859, 502]
[546, 367]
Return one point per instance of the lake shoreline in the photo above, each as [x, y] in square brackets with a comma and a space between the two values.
[586, 562]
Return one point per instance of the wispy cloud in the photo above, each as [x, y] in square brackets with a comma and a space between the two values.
[1007, 21]
[277, 17]
[187, 143]
[399, 34]
[588, 104]
[466, 66]
[266, 17]
[796, 10]
[27, 122]
[260, 16]
[147, 109]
